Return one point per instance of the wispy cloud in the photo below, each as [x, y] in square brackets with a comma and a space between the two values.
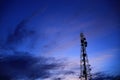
[103, 58]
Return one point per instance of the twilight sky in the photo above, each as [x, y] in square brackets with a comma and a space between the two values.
[50, 29]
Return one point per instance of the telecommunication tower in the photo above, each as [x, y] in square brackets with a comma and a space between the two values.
[84, 63]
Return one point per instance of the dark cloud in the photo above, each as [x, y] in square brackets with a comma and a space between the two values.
[23, 31]
[24, 65]
[20, 33]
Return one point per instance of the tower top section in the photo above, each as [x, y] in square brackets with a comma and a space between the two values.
[83, 40]
[81, 35]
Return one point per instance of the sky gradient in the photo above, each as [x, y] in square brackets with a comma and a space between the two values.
[51, 28]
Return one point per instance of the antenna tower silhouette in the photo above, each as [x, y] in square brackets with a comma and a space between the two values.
[84, 63]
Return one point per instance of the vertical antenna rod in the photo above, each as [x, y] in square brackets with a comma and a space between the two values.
[84, 63]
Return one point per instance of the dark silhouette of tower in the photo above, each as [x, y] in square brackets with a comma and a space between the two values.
[84, 63]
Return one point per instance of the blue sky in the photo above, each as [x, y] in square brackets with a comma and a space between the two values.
[52, 29]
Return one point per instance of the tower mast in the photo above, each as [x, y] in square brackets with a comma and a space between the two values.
[84, 63]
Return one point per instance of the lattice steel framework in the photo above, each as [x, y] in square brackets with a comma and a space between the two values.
[85, 70]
